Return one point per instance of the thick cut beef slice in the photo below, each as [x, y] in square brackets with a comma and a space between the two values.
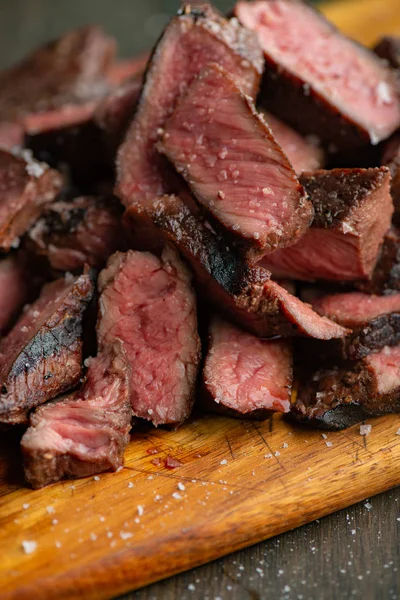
[386, 276]
[58, 83]
[245, 294]
[319, 81]
[338, 397]
[41, 356]
[388, 48]
[304, 154]
[391, 159]
[14, 290]
[353, 210]
[193, 39]
[85, 433]
[25, 187]
[233, 165]
[148, 307]
[85, 231]
[374, 322]
[246, 375]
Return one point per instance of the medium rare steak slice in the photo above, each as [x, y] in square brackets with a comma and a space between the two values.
[125, 69]
[340, 396]
[245, 294]
[374, 322]
[14, 290]
[148, 307]
[391, 158]
[388, 48]
[303, 153]
[245, 375]
[353, 210]
[26, 186]
[193, 39]
[386, 276]
[83, 434]
[319, 81]
[41, 356]
[234, 167]
[85, 231]
[57, 82]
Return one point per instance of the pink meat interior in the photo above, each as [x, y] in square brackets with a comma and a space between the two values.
[356, 307]
[295, 36]
[386, 368]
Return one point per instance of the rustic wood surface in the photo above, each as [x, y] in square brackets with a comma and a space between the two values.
[351, 554]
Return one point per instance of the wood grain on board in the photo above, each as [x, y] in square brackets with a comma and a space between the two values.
[239, 482]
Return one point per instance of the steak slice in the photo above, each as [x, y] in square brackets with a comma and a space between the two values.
[57, 82]
[11, 135]
[26, 186]
[83, 434]
[244, 294]
[374, 322]
[193, 39]
[245, 375]
[14, 290]
[303, 153]
[148, 307]
[234, 166]
[85, 231]
[391, 159]
[386, 276]
[388, 48]
[318, 80]
[340, 396]
[353, 210]
[41, 356]
[123, 70]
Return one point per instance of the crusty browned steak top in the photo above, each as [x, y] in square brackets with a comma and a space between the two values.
[388, 48]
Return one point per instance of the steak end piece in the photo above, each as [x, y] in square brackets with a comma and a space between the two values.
[386, 276]
[318, 80]
[27, 186]
[148, 308]
[340, 396]
[374, 322]
[87, 230]
[82, 434]
[245, 294]
[41, 357]
[246, 375]
[353, 210]
[234, 167]
[193, 39]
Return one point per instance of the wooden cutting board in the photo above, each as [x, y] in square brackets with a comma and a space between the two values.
[239, 482]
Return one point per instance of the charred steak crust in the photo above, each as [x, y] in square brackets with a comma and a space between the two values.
[388, 48]
[291, 97]
[391, 159]
[41, 357]
[386, 276]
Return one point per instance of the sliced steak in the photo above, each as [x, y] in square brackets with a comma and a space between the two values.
[128, 68]
[353, 210]
[340, 396]
[26, 186]
[11, 135]
[58, 82]
[319, 81]
[391, 159]
[303, 153]
[41, 356]
[245, 375]
[374, 322]
[85, 231]
[388, 48]
[148, 306]
[193, 39]
[14, 290]
[234, 166]
[386, 276]
[245, 294]
[85, 433]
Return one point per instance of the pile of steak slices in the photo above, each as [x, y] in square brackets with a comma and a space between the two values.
[210, 223]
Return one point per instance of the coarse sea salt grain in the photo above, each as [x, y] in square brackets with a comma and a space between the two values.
[25, 506]
[140, 510]
[96, 478]
[223, 462]
[125, 535]
[50, 509]
[398, 432]
[365, 429]
[368, 505]
[29, 547]
[176, 496]
[130, 485]
[181, 487]
[329, 444]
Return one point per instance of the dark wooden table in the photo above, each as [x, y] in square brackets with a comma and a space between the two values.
[352, 554]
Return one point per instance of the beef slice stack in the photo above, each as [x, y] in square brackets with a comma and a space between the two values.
[196, 182]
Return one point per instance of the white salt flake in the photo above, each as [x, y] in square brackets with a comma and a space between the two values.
[277, 453]
[130, 485]
[25, 506]
[368, 505]
[324, 436]
[223, 462]
[109, 534]
[365, 429]
[29, 547]
[383, 93]
[140, 510]
[181, 487]
[268, 456]
[287, 589]
[50, 509]
[125, 535]
[96, 478]
[398, 432]
[101, 519]
[54, 522]
[285, 445]
[176, 496]
[191, 587]
[93, 537]
[353, 532]
[329, 444]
